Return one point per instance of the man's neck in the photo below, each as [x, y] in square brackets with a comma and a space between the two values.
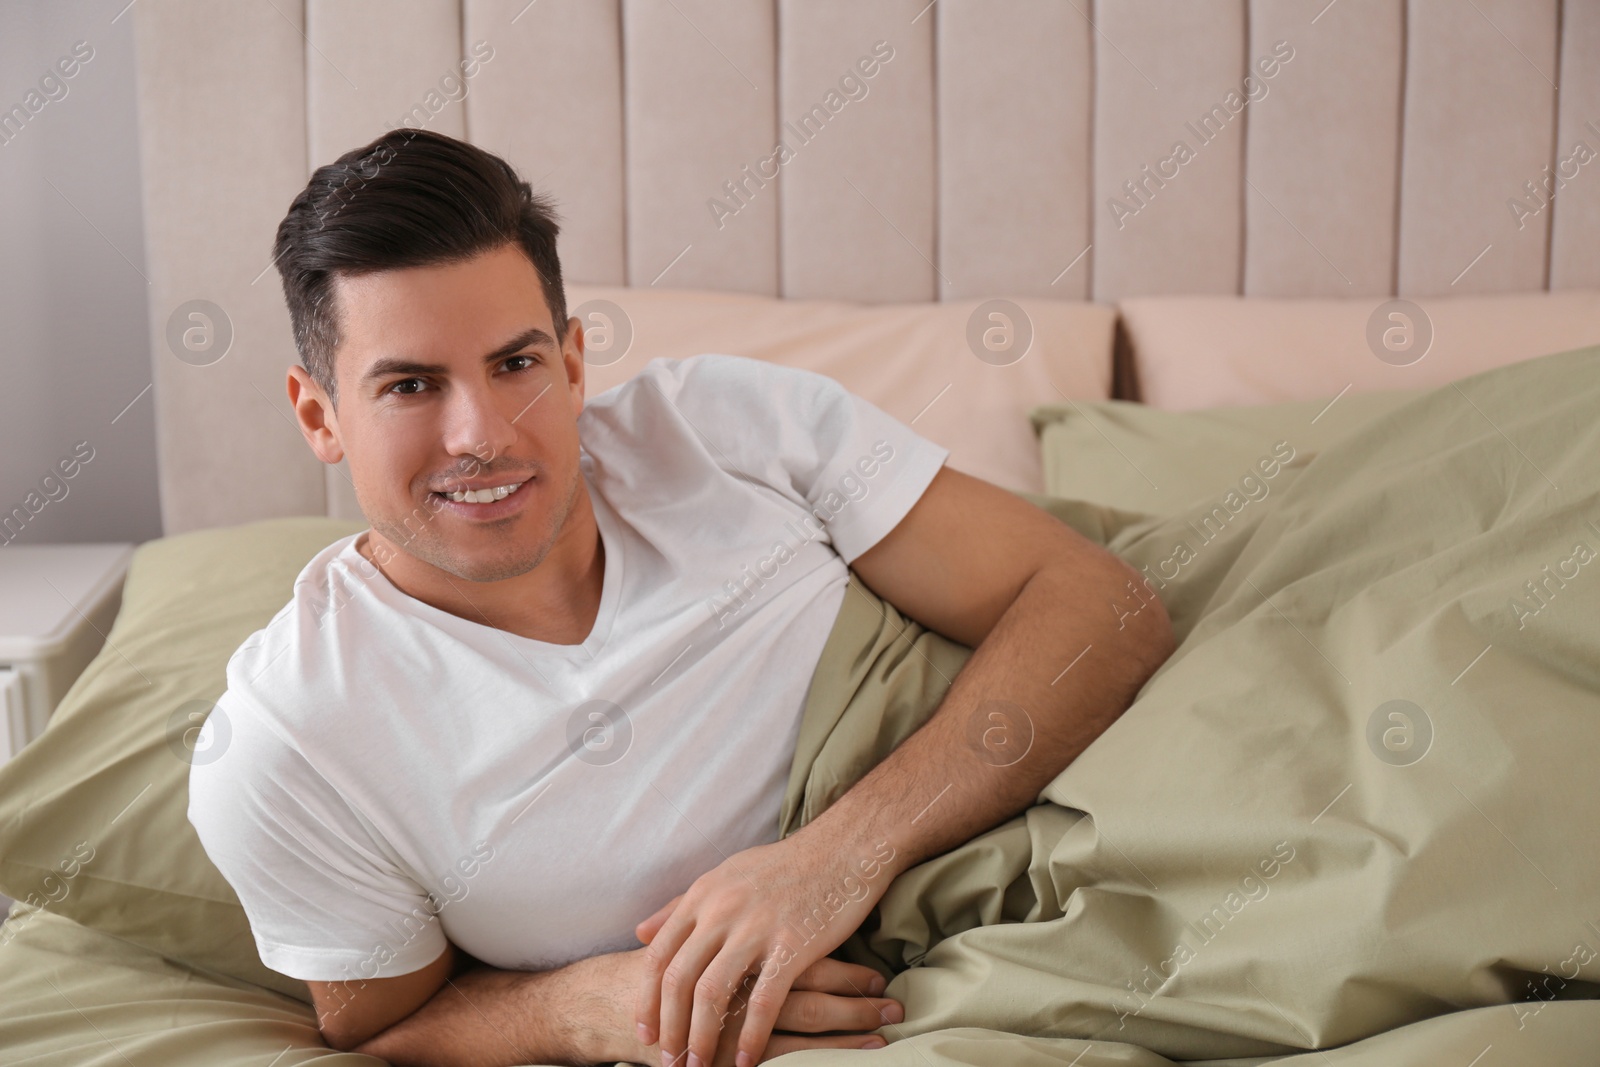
[557, 602]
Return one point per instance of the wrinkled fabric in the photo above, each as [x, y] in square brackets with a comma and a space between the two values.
[1266, 853]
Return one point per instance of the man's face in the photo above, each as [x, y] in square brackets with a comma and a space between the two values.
[449, 378]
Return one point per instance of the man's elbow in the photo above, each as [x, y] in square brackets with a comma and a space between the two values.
[350, 1014]
[1126, 617]
[1143, 626]
[341, 1037]
[343, 1032]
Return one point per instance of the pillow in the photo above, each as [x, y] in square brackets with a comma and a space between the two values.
[1138, 458]
[915, 361]
[93, 812]
[1205, 351]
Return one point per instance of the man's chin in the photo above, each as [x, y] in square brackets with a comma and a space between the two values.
[477, 556]
[485, 563]
[497, 570]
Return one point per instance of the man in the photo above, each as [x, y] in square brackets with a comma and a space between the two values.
[544, 709]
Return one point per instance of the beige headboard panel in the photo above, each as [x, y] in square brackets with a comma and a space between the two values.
[1021, 147]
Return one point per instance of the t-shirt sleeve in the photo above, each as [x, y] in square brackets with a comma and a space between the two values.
[325, 899]
[857, 469]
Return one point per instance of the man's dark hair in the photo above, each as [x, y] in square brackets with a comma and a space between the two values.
[411, 198]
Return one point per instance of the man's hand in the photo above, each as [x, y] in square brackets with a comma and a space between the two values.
[776, 910]
[830, 995]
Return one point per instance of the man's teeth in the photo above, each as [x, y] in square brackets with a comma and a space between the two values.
[484, 496]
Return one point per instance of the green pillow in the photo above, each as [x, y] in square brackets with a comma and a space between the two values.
[1143, 459]
[94, 812]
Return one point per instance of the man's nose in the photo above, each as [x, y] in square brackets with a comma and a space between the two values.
[475, 425]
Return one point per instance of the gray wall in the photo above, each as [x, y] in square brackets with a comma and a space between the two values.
[74, 334]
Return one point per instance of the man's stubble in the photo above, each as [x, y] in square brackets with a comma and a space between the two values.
[521, 554]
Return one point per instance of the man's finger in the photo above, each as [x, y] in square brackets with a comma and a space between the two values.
[818, 1013]
[829, 975]
[678, 983]
[647, 929]
[647, 999]
[718, 990]
[761, 1012]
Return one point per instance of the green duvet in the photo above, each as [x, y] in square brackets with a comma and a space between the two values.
[1359, 800]
[1355, 811]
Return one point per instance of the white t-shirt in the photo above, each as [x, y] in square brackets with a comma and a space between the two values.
[381, 775]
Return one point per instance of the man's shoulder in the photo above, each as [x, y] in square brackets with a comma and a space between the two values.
[287, 660]
[239, 752]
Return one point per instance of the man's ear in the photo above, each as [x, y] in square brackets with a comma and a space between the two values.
[572, 357]
[319, 425]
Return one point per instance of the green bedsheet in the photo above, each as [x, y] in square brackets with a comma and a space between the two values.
[1262, 856]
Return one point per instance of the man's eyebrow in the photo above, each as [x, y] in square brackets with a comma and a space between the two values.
[533, 336]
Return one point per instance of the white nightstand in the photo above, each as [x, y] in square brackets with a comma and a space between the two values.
[56, 606]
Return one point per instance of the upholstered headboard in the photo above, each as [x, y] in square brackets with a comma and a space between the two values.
[1040, 148]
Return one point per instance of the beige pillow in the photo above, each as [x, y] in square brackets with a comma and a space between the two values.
[1205, 351]
[93, 813]
[915, 361]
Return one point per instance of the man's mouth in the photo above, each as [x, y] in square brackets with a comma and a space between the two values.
[487, 503]
[485, 495]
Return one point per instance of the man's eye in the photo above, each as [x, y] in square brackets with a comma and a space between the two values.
[412, 386]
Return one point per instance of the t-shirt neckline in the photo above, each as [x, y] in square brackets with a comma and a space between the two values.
[599, 633]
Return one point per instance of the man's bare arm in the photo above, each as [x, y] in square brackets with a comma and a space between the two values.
[1064, 635]
[349, 1012]
[485, 1017]
[579, 1014]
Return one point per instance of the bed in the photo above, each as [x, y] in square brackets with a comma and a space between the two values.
[1349, 822]
[1325, 823]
